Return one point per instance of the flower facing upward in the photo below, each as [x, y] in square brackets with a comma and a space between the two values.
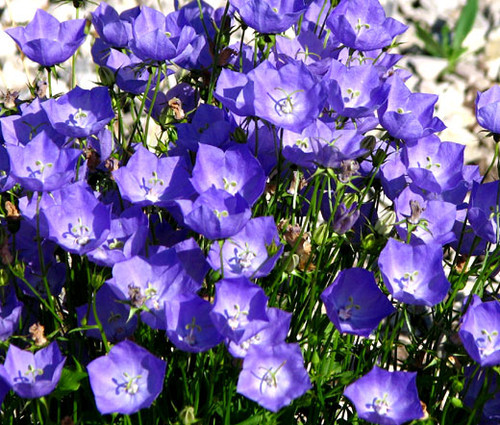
[32, 375]
[273, 376]
[47, 41]
[127, 379]
[386, 398]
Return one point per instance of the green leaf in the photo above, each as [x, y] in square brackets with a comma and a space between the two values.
[464, 23]
[431, 45]
[70, 381]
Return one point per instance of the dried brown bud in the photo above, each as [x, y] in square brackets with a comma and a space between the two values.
[5, 254]
[93, 158]
[416, 211]
[112, 164]
[12, 211]
[348, 168]
[135, 295]
[41, 89]
[37, 331]
[225, 55]
[176, 105]
[9, 98]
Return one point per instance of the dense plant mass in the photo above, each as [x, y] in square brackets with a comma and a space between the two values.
[249, 219]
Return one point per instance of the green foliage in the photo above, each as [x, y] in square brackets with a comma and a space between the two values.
[449, 42]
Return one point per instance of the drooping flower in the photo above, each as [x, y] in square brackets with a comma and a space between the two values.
[273, 375]
[479, 332]
[47, 41]
[32, 375]
[80, 112]
[354, 302]
[386, 398]
[414, 274]
[484, 208]
[10, 313]
[127, 379]
[111, 27]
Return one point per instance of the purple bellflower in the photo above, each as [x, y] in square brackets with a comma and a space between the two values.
[239, 310]
[41, 165]
[252, 252]
[110, 26]
[386, 398]
[149, 180]
[127, 379]
[406, 115]
[274, 333]
[235, 171]
[113, 315]
[362, 25]
[80, 112]
[216, 214]
[354, 302]
[80, 223]
[47, 41]
[189, 326]
[20, 129]
[160, 38]
[32, 375]
[10, 313]
[414, 274]
[484, 208]
[487, 109]
[479, 332]
[270, 16]
[273, 375]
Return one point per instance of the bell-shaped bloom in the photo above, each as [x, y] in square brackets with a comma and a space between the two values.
[149, 180]
[216, 214]
[273, 376]
[127, 379]
[414, 274]
[487, 109]
[484, 207]
[209, 126]
[41, 165]
[129, 71]
[10, 313]
[189, 326]
[79, 223]
[386, 398]
[235, 171]
[20, 129]
[160, 38]
[479, 332]
[274, 333]
[32, 375]
[433, 165]
[239, 310]
[110, 26]
[354, 302]
[80, 112]
[113, 315]
[127, 237]
[47, 41]
[147, 285]
[434, 219]
[270, 16]
[362, 25]
[289, 97]
[252, 252]
[406, 115]
[360, 89]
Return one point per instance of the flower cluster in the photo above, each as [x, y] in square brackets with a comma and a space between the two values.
[273, 166]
